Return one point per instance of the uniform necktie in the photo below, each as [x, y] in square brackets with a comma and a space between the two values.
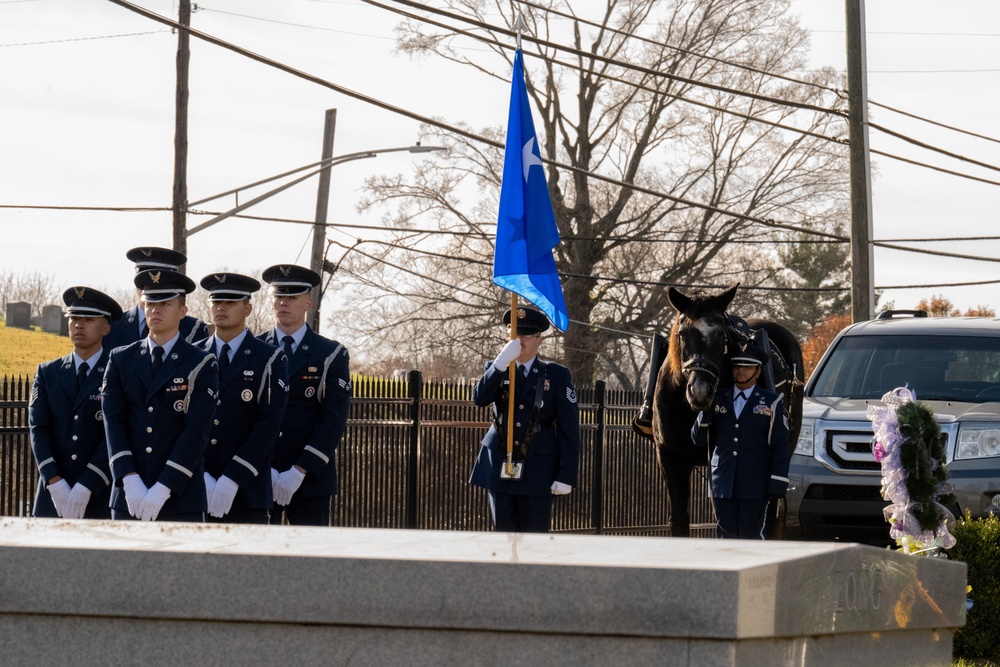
[81, 374]
[287, 342]
[224, 359]
[524, 372]
[739, 402]
[157, 359]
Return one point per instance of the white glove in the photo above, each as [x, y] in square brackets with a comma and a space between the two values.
[560, 489]
[286, 486]
[76, 505]
[510, 352]
[209, 488]
[135, 491]
[152, 503]
[60, 496]
[222, 499]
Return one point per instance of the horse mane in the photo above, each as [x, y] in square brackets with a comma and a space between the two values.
[674, 349]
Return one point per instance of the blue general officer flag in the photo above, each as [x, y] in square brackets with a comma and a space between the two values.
[526, 226]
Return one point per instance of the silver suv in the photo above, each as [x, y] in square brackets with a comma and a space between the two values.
[953, 365]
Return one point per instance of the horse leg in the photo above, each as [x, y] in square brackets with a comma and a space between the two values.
[678, 475]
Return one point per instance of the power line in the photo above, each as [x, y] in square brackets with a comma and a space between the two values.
[649, 71]
[589, 56]
[932, 122]
[770, 223]
[82, 39]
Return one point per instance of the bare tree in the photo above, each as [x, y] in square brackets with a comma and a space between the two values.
[677, 106]
[34, 288]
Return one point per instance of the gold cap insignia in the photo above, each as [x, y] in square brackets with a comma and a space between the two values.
[80, 291]
[148, 252]
[521, 314]
[220, 278]
[155, 277]
[285, 270]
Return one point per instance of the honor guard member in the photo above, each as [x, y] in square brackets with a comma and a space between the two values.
[159, 401]
[546, 431]
[65, 418]
[304, 471]
[253, 393]
[747, 430]
[132, 326]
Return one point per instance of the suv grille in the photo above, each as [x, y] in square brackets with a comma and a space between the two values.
[851, 450]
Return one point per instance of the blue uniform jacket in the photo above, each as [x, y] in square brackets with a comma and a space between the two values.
[554, 451]
[253, 394]
[159, 427]
[750, 455]
[126, 330]
[67, 434]
[315, 420]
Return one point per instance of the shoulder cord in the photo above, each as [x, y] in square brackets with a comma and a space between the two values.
[266, 376]
[321, 391]
[192, 376]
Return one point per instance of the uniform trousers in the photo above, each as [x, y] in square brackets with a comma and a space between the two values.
[257, 516]
[739, 519]
[521, 514]
[313, 511]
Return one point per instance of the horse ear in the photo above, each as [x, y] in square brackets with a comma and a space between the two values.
[725, 298]
[680, 301]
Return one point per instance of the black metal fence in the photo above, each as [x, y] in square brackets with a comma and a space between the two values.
[409, 449]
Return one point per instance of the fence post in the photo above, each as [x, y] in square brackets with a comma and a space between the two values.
[600, 414]
[413, 454]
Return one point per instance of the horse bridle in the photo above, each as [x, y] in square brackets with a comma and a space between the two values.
[737, 332]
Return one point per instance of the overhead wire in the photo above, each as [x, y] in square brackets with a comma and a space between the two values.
[702, 84]
[769, 223]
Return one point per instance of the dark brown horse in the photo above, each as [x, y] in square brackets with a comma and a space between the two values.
[702, 337]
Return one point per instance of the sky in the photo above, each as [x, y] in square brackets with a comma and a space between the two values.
[88, 120]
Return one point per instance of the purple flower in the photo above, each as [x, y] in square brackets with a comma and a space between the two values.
[878, 451]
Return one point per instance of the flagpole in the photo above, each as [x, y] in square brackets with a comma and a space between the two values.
[512, 373]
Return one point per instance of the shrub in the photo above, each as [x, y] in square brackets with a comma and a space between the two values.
[978, 546]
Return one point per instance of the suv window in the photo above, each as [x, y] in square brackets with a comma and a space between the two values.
[955, 368]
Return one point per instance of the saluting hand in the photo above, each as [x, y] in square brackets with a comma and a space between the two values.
[510, 352]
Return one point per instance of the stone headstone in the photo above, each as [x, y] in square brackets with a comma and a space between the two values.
[53, 320]
[296, 595]
[19, 315]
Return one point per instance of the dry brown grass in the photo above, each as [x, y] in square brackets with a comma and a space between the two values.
[21, 350]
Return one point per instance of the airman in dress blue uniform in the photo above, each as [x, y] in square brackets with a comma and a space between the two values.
[132, 326]
[748, 435]
[159, 400]
[65, 418]
[304, 471]
[253, 393]
[546, 431]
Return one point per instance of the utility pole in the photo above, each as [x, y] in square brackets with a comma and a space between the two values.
[862, 265]
[181, 131]
[322, 204]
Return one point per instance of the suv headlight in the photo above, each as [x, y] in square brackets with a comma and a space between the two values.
[804, 445]
[974, 443]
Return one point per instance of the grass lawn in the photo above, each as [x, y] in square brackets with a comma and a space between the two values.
[22, 350]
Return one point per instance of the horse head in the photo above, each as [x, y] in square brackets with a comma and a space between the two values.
[698, 342]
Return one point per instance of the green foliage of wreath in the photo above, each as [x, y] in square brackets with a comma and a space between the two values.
[923, 442]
